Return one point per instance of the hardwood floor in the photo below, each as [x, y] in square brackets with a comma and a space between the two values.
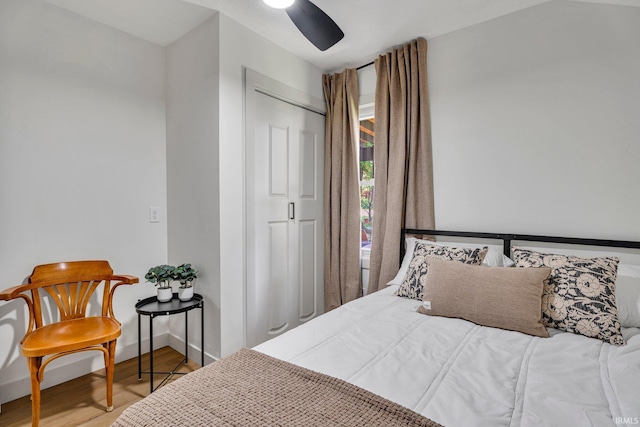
[81, 402]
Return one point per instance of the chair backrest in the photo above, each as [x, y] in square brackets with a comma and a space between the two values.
[70, 285]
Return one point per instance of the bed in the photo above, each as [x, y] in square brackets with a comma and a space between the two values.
[382, 353]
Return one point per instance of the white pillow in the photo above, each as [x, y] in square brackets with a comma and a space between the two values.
[494, 258]
[628, 295]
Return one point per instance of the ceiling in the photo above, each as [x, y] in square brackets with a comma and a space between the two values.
[370, 26]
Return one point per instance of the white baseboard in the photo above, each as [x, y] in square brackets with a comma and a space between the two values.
[177, 343]
[77, 365]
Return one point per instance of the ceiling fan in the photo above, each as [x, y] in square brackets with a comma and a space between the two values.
[312, 22]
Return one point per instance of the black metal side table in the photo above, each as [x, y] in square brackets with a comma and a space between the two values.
[152, 307]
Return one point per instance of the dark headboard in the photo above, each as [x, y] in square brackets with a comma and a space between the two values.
[507, 238]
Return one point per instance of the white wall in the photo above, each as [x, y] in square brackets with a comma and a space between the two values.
[192, 169]
[367, 84]
[82, 157]
[241, 47]
[535, 122]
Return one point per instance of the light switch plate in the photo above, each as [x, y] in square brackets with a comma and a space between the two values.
[154, 214]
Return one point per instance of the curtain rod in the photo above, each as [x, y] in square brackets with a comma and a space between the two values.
[365, 65]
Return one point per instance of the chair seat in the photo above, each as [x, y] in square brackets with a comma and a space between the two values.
[69, 335]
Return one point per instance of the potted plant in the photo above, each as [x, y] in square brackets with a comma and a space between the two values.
[186, 275]
[161, 276]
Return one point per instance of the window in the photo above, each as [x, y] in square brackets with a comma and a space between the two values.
[366, 175]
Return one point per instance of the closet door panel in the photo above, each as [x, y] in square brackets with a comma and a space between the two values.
[308, 162]
[278, 161]
[309, 127]
[308, 269]
[278, 279]
[268, 296]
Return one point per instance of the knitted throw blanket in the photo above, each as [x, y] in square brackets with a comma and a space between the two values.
[249, 388]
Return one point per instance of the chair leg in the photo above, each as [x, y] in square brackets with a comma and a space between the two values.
[34, 370]
[109, 362]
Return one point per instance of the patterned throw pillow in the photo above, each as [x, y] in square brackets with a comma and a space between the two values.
[413, 284]
[579, 296]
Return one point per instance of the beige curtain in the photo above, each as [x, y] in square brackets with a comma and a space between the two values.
[341, 190]
[402, 156]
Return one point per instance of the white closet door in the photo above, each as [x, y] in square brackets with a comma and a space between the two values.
[284, 215]
[309, 213]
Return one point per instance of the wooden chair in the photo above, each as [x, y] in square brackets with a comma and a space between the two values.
[69, 285]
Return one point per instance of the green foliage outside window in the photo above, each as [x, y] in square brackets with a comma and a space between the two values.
[366, 179]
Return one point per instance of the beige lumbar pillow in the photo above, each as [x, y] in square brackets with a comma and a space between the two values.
[505, 298]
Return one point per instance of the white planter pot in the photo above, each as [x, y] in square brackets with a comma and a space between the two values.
[185, 294]
[165, 294]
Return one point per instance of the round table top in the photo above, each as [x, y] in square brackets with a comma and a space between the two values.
[152, 307]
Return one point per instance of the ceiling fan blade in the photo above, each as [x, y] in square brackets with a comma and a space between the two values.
[314, 24]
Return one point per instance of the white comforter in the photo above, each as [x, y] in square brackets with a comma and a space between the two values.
[461, 374]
